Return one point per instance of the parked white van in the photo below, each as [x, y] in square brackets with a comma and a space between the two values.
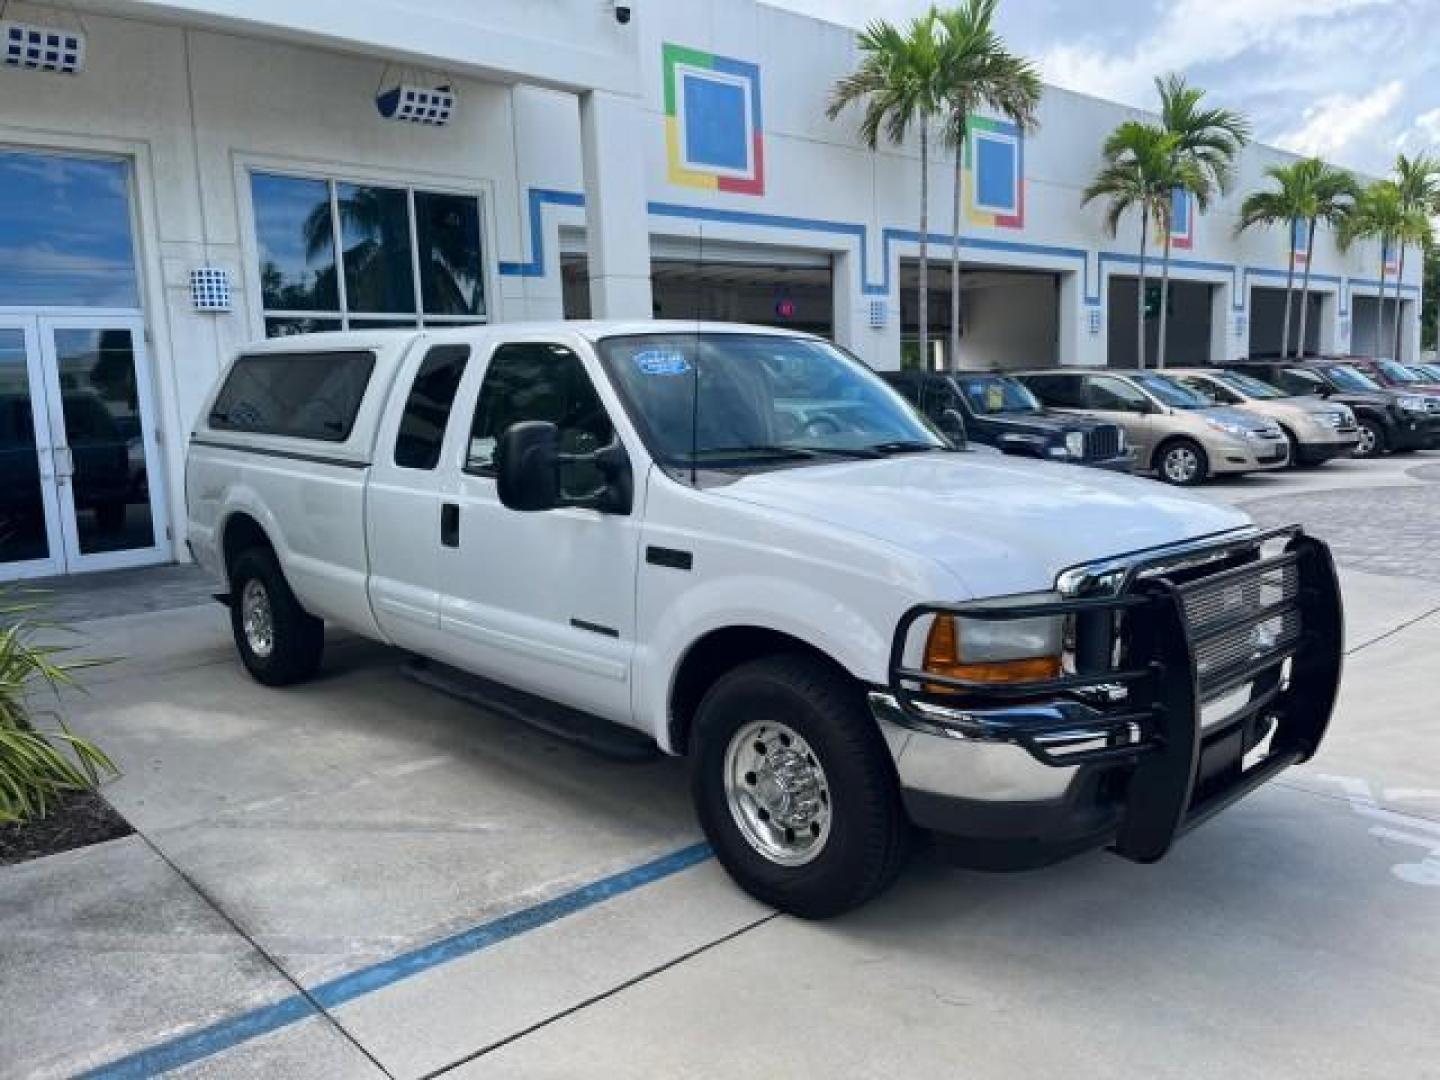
[743, 544]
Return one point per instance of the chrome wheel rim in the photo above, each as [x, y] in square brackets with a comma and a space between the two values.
[1368, 441]
[1181, 465]
[777, 792]
[257, 619]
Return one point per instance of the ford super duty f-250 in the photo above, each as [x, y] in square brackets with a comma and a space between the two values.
[742, 543]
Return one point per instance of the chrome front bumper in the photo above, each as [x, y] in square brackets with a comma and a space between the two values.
[1221, 681]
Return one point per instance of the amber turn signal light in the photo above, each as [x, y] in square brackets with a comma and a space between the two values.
[942, 657]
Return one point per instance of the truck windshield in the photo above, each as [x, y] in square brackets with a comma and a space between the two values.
[1346, 377]
[1248, 385]
[1176, 395]
[726, 400]
[991, 394]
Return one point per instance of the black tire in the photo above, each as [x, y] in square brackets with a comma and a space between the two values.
[1175, 446]
[1373, 434]
[1295, 462]
[297, 637]
[869, 835]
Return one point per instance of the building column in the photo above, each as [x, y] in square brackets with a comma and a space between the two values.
[1328, 343]
[617, 230]
[1081, 337]
[1223, 342]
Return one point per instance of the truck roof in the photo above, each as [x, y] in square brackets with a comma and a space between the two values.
[393, 341]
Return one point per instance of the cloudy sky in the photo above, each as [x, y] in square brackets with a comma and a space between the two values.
[1351, 80]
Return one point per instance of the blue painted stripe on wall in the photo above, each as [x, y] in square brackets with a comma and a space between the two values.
[539, 197]
[243, 1027]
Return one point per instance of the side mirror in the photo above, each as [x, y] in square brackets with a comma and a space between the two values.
[952, 426]
[528, 464]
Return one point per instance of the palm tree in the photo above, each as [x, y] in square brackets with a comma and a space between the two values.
[979, 72]
[1309, 191]
[1142, 170]
[900, 84]
[1207, 142]
[1418, 182]
[1376, 215]
[1332, 193]
[1283, 207]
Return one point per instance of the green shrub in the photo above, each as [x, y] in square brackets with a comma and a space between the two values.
[37, 765]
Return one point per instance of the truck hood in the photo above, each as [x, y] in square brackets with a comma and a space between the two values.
[1000, 525]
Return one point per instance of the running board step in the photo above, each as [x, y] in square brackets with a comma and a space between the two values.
[601, 737]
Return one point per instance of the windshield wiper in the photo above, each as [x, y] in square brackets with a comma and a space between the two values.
[710, 454]
[913, 446]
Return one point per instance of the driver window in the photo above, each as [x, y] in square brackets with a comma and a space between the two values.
[1115, 395]
[1212, 390]
[940, 396]
[540, 381]
[1299, 382]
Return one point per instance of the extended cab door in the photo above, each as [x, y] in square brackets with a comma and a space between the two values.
[544, 602]
[405, 515]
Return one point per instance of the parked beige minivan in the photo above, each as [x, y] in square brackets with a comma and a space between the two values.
[1318, 430]
[1176, 432]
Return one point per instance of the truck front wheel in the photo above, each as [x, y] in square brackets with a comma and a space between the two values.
[795, 788]
[280, 643]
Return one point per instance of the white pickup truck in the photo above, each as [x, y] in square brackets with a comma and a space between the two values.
[743, 544]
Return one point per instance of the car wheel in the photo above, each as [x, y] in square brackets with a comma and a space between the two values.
[1182, 462]
[1295, 461]
[1372, 440]
[795, 787]
[280, 643]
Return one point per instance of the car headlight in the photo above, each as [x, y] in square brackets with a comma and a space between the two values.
[1235, 430]
[994, 650]
[1412, 403]
[1075, 443]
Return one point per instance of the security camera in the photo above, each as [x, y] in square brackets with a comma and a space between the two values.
[622, 14]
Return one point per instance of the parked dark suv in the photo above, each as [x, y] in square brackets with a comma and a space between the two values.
[1390, 420]
[1001, 412]
[1393, 376]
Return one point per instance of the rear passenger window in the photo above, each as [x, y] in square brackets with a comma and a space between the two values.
[539, 381]
[1058, 391]
[427, 409]
[303, 395]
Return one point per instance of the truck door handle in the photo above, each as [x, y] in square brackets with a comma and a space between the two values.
[450, 525]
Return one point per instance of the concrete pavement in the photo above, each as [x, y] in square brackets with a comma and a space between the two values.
[379, 881]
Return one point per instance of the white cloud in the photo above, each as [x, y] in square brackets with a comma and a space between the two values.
[1332, 126]
[1190, 32]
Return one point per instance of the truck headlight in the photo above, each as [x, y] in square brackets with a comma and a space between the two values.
[1412, 403]
[1075, 444]
[998, 651]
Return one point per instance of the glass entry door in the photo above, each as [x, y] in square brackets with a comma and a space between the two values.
[31, 543]
[91, 449]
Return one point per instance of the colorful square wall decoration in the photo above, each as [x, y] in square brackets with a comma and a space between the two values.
[1182, 220]
[995, 174]
[714, 132]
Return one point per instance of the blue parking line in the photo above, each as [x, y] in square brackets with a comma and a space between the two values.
[234, 1030]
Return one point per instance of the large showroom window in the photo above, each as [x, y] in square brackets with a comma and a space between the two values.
[336, 255]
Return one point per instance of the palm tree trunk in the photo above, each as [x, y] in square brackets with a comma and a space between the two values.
[1289, 294]
[1305, 292]
[1140, 288]
[924, 247]
[1380, 305]
[1164, 304]
[1399, 278]
[955, 251]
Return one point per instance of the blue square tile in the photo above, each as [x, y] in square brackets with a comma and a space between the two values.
[995, 175]
[717, 131]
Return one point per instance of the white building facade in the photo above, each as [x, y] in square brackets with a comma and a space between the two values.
[182, 177]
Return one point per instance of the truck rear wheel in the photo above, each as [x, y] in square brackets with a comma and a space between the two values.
[280, 643]
[795, 788]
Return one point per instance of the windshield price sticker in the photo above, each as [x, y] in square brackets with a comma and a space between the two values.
[994, 398]
[662, 362]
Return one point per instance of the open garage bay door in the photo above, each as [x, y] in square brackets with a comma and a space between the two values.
[1267, 322]
[1008, 318]
[750, 283]
[1188, 325]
